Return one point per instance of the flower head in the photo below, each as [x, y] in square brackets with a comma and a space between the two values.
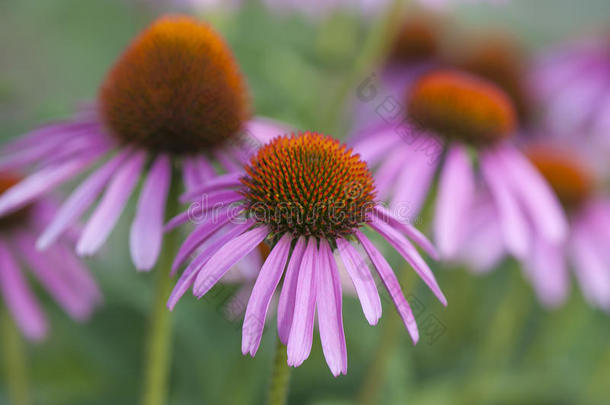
[310, 198]
[461, 125]
[585, 249]
[175, 98]
[61, 274]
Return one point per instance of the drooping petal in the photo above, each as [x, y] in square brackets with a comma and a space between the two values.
[146, 234]
[258, 304]
[301, 332]
[410, 254]
[188, 276]
[358, 270]
[408, 229]
[413, 184]
[392, 285]
[513, 223]
[208, 203]
[330, 315]
[218, 183]
[377, 143]
[392, 166]
[535, 194]
[51, 278]
[39, 183]
[591, 269]
[107, 213]
[285, 309]
[547, 270]
[202, 233]
[80, 200]
[455, 194]
[18, 297]
[231, 253]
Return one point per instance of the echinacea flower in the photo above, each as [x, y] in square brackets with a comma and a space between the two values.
[173, 105]
[587, 248]
[461, 126]
[310, 198]
[57, 270]
[572, 84]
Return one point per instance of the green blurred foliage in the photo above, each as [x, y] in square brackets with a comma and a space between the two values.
[498, 345]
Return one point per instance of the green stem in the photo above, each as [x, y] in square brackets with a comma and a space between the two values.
[280, 377]
[14, 361]
[377, 372]
[158, 349]
[374, 48]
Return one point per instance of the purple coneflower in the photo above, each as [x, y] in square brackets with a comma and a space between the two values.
[175, 102]
[59, 272]
[461, 125]
[587, 247]
[308, 196]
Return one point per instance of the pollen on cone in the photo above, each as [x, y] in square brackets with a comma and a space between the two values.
[309, 184]
[460, 106]
[177, 88]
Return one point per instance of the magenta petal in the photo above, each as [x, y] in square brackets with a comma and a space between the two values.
[285, 309]
[202, 233]
[258, 304]
[146, 233]
[50, 276]
[535, 194]
[78, 202]
[208, 203]
[391, 284]
[39, 183]
[227, 256]
[218, 183]
[330, 316]
[358, 270]
[301, 331]
[406, 228]
[455, 195]
[547, 270]
[410, 254]
[513, 223]
[374, 145]
[188, 276]
[591, 268]
[77, 274]
[18, 297]
[107, 213]
[413, 184]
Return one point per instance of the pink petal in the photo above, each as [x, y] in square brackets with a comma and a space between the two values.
[51, 278]
[391, 284]
[146, 233]
[301, 332]
[202, 233]
[285, 310]
[410, 254]
[358, 270]
[547, 270]
[80, 200]
[107, 213]
[406, 228]
[216, 184]
[188, 276]
[535, 194]
[591, 269]
[227, 256]
[258, 304]
[455, 194]
[39, 183]
[18, 297]
[330, 317]
[222, 199]
[513, 223]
